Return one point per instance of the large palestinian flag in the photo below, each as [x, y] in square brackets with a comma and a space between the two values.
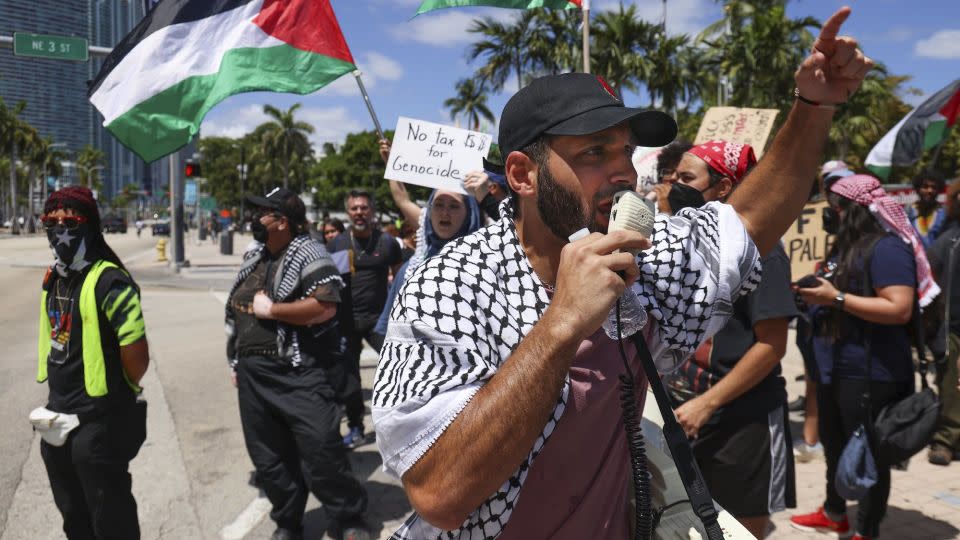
[924, 128]
[186, 56]
[430, 5]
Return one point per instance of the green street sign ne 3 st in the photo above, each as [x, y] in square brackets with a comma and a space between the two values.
[47, 46]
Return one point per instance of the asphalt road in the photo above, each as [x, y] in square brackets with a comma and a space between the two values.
[191, 478]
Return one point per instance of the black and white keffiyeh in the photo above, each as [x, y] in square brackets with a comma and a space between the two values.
[305, 266]
[461, 314]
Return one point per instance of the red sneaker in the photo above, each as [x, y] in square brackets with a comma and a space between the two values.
[819, 522]
[858, 537]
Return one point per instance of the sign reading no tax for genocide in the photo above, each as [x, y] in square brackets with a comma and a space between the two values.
[435, 155]
[739, 125]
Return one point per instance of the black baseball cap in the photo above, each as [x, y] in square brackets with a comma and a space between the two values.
[576, 104]
[284, 201]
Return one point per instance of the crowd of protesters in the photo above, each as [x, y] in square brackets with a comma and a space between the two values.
[495, 377]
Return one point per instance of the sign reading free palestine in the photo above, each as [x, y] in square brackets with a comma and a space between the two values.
[435, 155]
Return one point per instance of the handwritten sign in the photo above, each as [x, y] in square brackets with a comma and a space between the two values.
[806, 242]
[750, 126]
[435, 155]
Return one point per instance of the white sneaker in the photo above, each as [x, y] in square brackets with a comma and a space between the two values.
[804, 452]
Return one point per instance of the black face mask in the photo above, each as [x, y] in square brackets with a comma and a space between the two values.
[831, 221]
[683, 196]
[259, 230]
[70, 246]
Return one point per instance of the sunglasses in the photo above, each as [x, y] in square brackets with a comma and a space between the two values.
[68, 222]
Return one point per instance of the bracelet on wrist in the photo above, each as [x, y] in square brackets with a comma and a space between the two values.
[812, 103]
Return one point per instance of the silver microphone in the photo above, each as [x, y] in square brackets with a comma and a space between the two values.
[630, 212]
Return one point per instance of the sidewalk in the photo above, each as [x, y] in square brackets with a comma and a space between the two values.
[206, 267]
[924, 499]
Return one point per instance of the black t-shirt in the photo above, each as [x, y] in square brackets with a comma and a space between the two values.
[949, 240]
[255, 336]
[772, 299]
[370, 266]
[121, 323]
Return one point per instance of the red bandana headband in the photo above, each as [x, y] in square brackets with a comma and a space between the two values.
[727, 158]
[866, 190]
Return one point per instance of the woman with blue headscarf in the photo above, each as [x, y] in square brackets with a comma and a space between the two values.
[448, 216]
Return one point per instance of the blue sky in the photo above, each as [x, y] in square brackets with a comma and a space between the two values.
[410, 66]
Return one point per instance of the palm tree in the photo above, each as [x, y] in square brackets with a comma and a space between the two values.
[10, 133]
[758, 47]
[89, 162]
[672, 77]
[554, 41]
[621, 41]
[285, 138]
[504, 46]
[471, 101]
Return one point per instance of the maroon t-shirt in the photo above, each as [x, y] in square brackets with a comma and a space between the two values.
[586, 494]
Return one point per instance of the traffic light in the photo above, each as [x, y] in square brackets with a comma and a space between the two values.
[191, 169]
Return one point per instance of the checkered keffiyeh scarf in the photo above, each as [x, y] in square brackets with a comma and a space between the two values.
[866, 190]
[727, 158]
[461, 314]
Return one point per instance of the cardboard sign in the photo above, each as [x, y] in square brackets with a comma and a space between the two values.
[805, 241]
[435, 155]
[750, 126]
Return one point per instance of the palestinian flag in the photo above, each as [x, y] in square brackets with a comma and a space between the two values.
[924, 128]
[430, 5]
[186, 56]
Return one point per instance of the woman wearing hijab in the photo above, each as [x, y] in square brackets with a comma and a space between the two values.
[869, 226]
[448, 215]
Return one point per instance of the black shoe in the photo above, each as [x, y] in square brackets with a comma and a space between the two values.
[798, 404]
[286, 534]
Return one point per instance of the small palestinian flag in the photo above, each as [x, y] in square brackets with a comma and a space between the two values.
[924, 128]
[186, 56]
[430, 5]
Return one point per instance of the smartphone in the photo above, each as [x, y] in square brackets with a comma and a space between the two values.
[808, 281]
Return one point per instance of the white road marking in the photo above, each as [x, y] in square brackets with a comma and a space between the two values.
[247, 520]
[140, 255]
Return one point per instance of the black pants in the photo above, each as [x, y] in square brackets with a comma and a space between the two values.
[354, 399]
[291, 426]
[841, 411]
[91, 483]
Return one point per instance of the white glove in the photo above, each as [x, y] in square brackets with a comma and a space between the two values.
[262, 306]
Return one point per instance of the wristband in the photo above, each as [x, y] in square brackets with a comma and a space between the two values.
[832, 106]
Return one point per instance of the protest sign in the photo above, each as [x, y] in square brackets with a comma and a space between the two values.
[435, 155]
[733, 124]
[806, 242]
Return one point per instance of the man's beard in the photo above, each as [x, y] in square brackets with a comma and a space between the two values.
[562, 210]
[360, 226]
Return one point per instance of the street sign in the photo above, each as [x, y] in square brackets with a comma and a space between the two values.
[48, 46]
[208, 204]
[190, 192]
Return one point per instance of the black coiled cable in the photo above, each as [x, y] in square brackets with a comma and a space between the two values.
[643, 514]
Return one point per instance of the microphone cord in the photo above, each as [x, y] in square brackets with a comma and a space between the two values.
[645, 517]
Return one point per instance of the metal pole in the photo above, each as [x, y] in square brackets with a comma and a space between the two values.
[14, 223]
[176, 210]
[586, 36]
[243, 182]
[366, 99]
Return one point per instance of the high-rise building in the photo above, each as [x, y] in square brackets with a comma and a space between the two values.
[55, 91]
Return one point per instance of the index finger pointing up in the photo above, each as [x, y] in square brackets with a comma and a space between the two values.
[828, 33]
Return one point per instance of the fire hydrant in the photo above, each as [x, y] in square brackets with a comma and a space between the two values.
[161, 250]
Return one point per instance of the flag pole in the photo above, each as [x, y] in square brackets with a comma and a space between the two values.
[366, 99]
[586, 36]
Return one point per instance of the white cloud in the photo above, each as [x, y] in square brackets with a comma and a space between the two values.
[897, 35]
[446, 28]
[944, 44]
[683, 16]
[331, 124]
[374, 67]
